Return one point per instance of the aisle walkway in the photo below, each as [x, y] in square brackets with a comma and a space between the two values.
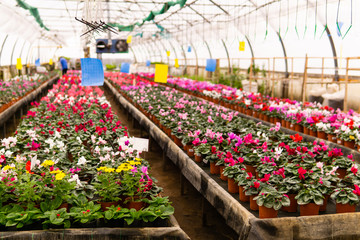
[188, 207]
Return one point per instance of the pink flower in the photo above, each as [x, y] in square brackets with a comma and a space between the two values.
[210, 120]
[357, 190]
[354, 170]
[256, 185]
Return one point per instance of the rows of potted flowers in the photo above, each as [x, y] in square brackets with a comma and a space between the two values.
[266, 167]
[71, 164]
[13, 90]
[310, 118]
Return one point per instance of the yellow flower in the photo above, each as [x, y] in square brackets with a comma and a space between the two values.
[109, 170]
[101, 169]
[7, 167]
[56, 171]
[351, 137]
[60, 176]
[47, 163]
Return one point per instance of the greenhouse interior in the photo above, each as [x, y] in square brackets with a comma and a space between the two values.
[179, 119]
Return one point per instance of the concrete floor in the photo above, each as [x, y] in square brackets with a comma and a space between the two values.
[188, 206]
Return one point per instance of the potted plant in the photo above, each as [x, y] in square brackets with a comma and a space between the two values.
[346, 199]
[270, 200]
[310, 199]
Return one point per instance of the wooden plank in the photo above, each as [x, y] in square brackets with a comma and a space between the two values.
[304, 79]
[346, 84]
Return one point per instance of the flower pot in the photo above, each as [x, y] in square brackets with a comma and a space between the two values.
[283, 123]
[292, 126]
[64, 205]
[266, 118]
[313, 133]
[341, 173]
[251, 169]
[253, 204]
[242, 195]
[358, 148]
[265, 212]
[105, 205]
[178, 141]
[132, 204]
[248, 112]
[198, 158]
[299, 128]
[349, 144]
[272, 120]
[222, 177]
[287, 124]
[214, 169]
[339, 141]
[293, 204]
[322, 135]
[345, 208]
[190, 151]
[309, 209]
[186, 147]
[255, 114]
[306, 130]
[232, 186]
[331, 138]
[323, 207]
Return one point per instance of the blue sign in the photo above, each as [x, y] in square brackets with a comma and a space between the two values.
[125, 67]
[210, 65]
[37, 62]
[148, 62]
[92, 72]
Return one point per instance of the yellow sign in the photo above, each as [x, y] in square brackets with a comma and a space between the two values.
[176, 62]
[129, 39]
[242, 46]
[51, 61]
[168, 53]
[161, 72]
[18, 64]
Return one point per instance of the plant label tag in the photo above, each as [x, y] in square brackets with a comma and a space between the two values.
[140, 144]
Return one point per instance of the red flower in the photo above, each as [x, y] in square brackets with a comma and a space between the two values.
[213, 149]
[354, 170]
[301, 172]
[249, 175]
[256, 185]
[296, 138]
[357, 190]
[28, 167]
[266, 178]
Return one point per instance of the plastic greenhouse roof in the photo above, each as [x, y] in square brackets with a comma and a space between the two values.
[188, 21]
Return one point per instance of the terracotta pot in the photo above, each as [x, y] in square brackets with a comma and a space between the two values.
[313, 133]
[265, 212]
[345, 208]
[253, 205]
[306, 130]
[339, 141]
[242, 195]
[198, 158]
[64, 205]
[287, 124]
[299, 128]
[272, 120]
[349, 144]
[277, 120]
[136, 205]
[358, 148]
[177, 141]
[251, 169]
[222, 177]
[105, 205]
[323, 207]
[266, 118]
[186, 147]
[331, 138]
[309, 209]
[232, 186]
[293, 204]
[248, 112]
[341, 173]
[322, 135]
[190, 151]
[283, 123]
[255, 114]
[214, 169]
[292, 126]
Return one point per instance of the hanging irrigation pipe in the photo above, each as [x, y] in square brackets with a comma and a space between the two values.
[296, 18]
[316, 5]
[337, 19]
[306, 16]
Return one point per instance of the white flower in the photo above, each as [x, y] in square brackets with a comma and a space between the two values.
[93, 138]
[50, 142]
[97, 150]
[8, 154]
[79, 140]
[101, 141]
[57, 134]
[76, 178]
[61, 145]
[81, 161]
